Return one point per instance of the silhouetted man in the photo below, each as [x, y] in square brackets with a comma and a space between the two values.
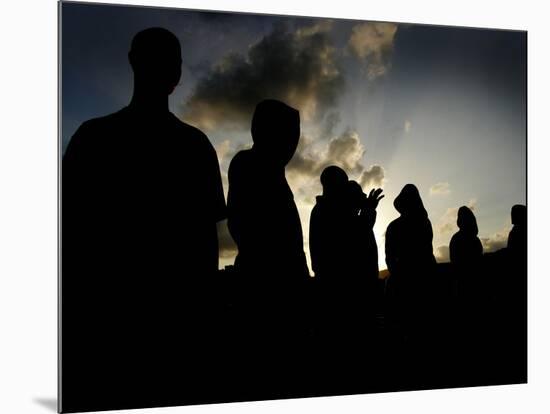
[142, 193]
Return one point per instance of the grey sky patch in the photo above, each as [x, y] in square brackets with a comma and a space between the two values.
[345, 151]
[495, 242]
[442, 188]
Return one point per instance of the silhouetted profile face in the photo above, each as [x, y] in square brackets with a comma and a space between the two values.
[466, 221]
[155, 57]
[408, 201]
[334, 181]
[355, 193]
[519, 215]
[275, 131]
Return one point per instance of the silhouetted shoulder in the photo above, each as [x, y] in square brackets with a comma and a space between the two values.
[392, 226]
[188, 130]
[93, 132]
[241, 162]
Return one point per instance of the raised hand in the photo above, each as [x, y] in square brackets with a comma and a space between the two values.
[374, 197]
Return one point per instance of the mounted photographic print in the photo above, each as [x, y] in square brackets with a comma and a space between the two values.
[258, 207]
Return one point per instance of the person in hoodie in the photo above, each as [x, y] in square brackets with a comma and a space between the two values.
[410, 259]
[465, 247]
[466, 253]
[262, 215]
[344, 256]
[328, 228]
[271, 268]
[470, 283]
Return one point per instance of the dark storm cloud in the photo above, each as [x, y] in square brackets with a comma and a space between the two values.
[297, 67]
[345, 151]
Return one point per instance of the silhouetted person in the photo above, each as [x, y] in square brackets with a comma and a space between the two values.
[410, 259]
[341, 242]
[514, 298]
[465, 247]
[262, 216]
[364, 259]
[141, 195]
[271, 265]
[329, 247]
[466, 253]
[328, 228]
[341, 238]
[517, 239]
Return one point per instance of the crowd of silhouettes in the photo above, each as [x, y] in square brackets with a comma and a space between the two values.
[148, 320]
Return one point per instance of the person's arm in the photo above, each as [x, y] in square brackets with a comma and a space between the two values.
[315, 235]
[240, 220]
[215, 198]
[368, 211]
[367, 217]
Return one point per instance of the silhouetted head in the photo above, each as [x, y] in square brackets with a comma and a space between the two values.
[519, 215]
[276, 131]
[334, 181]
[408, 202]
[466, 221]
[155, 57]
[355, 193]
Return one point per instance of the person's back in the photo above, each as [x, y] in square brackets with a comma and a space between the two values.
[148, 191]
[141, 195]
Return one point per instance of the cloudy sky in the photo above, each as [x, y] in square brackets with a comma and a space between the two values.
[443, 108]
